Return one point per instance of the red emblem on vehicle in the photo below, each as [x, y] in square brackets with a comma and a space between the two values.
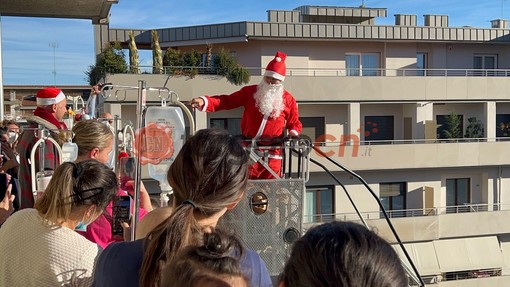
[155, 143]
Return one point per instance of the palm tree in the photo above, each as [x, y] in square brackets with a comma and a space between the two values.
[134, 63]
[208, 60]
[157, 54]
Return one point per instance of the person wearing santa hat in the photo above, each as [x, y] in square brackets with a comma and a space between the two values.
[269, 109]
[51, 108]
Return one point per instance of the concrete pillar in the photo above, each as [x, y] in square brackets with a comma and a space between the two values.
[100, 36]
[354, 118]
[424, 114]
[489, 121]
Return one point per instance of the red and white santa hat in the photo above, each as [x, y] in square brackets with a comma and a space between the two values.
[276, 68]
[49, 96]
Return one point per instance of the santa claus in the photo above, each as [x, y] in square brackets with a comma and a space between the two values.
[269, 109]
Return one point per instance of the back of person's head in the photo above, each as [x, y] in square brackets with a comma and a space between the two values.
[213, 264]
[209, 174]
[343, 254]
[77, 185]
[90, 134]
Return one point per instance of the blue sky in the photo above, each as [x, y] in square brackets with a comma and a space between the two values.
[29, 58]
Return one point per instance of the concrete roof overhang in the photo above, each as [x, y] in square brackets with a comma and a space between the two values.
[95, 10]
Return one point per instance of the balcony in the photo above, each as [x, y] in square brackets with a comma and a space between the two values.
[335, 85]
[409, 154]
[431, 224]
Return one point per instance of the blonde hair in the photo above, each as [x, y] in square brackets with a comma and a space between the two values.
[91, 134]
[74, 185]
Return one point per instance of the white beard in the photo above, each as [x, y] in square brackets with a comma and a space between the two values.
[269, 99]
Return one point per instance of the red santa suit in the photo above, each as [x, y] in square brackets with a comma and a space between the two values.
[254, 125]
[252, 120]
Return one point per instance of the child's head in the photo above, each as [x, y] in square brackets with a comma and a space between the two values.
[214, 264]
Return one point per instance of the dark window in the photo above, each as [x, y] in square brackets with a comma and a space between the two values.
[379, 128]
[484, 62]
[393, 197]
[320, 203]
[502, 125]
[232, 125]
[457, 195]
[313, 127]
[421, 64]
[484, 65]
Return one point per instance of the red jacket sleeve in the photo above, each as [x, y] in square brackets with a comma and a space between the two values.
[293, 122]
[228, 102]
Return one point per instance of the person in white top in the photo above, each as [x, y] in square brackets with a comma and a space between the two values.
[40, 246]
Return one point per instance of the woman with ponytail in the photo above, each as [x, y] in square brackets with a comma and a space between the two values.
[208, 177]
[40, 247]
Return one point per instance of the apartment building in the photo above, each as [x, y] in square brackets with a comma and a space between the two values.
[420, 111]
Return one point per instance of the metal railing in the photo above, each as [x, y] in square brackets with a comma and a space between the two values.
[418, 212]
[408, 141]
[338, 72]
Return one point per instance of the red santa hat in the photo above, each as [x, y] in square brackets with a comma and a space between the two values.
[276, 68]
[49, 96]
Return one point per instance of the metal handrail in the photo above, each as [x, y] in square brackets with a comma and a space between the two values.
[415, 212]
[350, 72]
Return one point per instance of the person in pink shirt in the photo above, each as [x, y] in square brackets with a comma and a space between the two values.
[95, 140]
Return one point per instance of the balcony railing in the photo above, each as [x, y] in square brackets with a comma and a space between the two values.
[371, 215]
[338, 72]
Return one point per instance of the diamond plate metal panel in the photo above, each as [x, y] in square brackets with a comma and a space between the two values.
[265, 233]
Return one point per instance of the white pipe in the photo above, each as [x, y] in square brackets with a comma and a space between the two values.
[32, 159]
[140, 108]
[498, 194]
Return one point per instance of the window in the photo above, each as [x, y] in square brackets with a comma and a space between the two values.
[319, 204]
[457, 195]
[379, 128]
[362, 64]
[232, 125]
[393, 197]
[485, 62]
[503, 125]
[421, 64]
[313, 127]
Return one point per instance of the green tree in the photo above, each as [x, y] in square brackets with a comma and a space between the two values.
[226, 65]
[191, 61]
[454, 124]
[474, 129]
[112, 59]
[157, 54]
[172, 60]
